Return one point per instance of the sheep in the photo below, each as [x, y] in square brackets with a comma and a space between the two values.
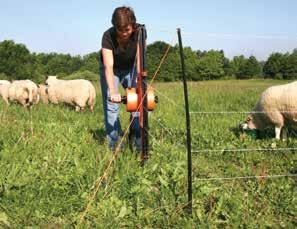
[24, 92]
[276, 108]
[4, 82]
[4, 85]
[77, 93]
[43, 93]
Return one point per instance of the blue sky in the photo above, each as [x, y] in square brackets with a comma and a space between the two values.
[248, 27]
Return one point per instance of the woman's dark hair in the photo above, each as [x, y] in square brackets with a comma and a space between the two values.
[123, 16]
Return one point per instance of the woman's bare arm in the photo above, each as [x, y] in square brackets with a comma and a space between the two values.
[109, 74]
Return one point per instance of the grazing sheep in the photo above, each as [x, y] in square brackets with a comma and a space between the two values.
[276, 107]
[43, 93]
[4, 85]
[24, 92]
[77, 93]
[3, 82]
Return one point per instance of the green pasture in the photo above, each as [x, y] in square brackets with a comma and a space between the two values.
[51, 158]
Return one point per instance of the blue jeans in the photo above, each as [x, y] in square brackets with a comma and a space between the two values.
[111, 110]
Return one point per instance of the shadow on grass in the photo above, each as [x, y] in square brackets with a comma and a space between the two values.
[99, 135]
[1, 145]
[267, 133]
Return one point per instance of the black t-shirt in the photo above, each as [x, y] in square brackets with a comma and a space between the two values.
[124, 58]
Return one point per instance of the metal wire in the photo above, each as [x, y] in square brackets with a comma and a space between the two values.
[168, 99]
[239, 112]
[166, 129]
[246, 177]
[241, 150]
[229, 35]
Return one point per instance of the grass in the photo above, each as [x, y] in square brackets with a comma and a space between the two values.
[51, 157]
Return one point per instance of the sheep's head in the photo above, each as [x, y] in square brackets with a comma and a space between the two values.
[50, 80]
[43, 93]
[248, 124]
[249, 127]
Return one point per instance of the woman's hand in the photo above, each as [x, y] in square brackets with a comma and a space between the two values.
[115, 97]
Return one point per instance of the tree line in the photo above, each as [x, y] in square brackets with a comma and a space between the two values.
[17, 62]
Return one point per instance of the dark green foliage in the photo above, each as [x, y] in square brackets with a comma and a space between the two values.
[273, 66]
[83, 74]
[250, 69]
[16, 62]
[91, 62]
[281, 66]
[59, 64]
[236, 64]
[170, 69]
[289, 69]
[210, 65]
[3, 76]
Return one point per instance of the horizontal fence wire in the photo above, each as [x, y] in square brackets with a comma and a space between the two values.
[167, 130]
[236, 36]
[247, 177]
[168, 99]
[228, 36]
[242, 150]
[241, 112]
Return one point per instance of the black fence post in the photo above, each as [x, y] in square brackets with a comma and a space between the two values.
[187, 122]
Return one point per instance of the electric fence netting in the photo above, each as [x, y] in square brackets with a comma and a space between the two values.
[220, 152]
[268, 159]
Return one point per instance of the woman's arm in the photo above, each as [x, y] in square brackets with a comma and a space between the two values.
[109, 74]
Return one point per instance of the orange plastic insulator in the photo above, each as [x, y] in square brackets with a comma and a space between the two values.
[150, 99]
[132, 100]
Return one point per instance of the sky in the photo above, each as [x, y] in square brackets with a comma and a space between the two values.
[247, 27]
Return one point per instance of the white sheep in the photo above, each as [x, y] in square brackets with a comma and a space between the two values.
[2, 82]
[276, 108]
[4, 85]
[43, 93]
[24, 92]
[77, 93]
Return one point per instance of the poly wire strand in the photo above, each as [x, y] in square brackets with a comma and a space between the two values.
[236, 36]
[166, 129]
[195, 34]
[168, 99]
[241, 150]
[241, 112]
[246, 177]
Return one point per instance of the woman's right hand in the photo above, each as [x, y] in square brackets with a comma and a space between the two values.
[115, 97]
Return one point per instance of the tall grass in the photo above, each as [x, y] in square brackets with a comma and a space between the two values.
[51, 156]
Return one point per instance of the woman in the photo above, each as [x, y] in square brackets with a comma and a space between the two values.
[118, 66]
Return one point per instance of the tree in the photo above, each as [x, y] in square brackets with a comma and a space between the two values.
[210, 65]
[155, 52]
[289, 67]
[273, 66]
[237, 64]
[250, 69]
[15, 60]
[90, 62]
[171, 68]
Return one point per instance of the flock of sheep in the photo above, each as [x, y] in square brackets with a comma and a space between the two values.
[276, 107]
[78, 93]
